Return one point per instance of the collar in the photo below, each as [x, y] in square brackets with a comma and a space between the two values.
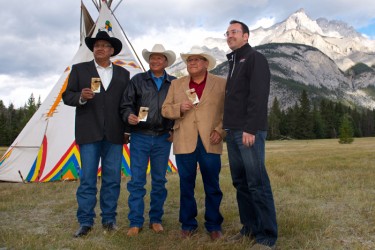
[239, 51]
[98, 66]
[160, 77]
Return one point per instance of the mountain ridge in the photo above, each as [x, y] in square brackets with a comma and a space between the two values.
[328, 57]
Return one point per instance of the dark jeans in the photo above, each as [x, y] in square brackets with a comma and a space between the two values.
[145, 148]
[254, 194]
[210, 166]
[110, 155]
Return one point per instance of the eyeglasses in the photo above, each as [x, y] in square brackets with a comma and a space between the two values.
[195, 60]
[102, 45]
[231, 32]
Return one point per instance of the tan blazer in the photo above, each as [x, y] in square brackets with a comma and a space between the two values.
[203, 119]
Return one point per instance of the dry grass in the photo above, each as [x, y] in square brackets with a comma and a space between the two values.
[324, 194]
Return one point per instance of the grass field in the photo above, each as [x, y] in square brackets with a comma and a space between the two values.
[324, 193]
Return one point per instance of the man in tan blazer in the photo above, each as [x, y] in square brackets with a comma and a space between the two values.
[196, 102]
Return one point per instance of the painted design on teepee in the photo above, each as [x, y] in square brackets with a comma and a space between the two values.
[171, 167]
[125, 164]
[57, 101]
[122, 63]
[132, 64]
[4, 157]
[68, 167]
[39, 163]
[108, 26]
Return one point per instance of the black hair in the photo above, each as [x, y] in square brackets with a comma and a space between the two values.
[244, 27]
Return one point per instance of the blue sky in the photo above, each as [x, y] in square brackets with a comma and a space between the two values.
[40, 37]
[369, 30]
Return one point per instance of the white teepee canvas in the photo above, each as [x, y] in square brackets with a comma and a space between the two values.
[45, 150]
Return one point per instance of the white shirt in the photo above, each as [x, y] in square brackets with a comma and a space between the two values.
[105, 74]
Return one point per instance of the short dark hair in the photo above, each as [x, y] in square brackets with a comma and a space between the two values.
[244, 27]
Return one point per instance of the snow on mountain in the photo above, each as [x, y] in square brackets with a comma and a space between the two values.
[334, 38]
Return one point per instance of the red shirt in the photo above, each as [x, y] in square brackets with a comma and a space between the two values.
[198, 87]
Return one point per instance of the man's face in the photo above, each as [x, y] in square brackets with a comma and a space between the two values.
[158, 62]
[235, 36]
[103, 50]
[196, 65]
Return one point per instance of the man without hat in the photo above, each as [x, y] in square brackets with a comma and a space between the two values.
[151, 137]
[196, 104]
[95, 88]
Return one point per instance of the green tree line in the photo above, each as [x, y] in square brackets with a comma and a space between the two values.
[323, 119]
[13, 120]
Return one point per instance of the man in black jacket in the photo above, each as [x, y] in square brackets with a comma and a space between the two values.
[151, 137]
[245, 119]
[95, 88]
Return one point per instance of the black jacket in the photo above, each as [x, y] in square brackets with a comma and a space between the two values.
[143, 92]
[247, 91]
[100, 117]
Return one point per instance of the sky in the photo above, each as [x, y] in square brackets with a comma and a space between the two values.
[39, 38]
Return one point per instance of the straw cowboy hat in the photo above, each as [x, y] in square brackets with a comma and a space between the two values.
[103, 35]
[159, 49]
[197, 51]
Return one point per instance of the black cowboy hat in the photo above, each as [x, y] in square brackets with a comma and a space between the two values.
[103, 35]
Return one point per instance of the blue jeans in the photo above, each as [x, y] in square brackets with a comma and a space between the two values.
[254, 194]
[110, 155]
[210, 166]
[142, 149]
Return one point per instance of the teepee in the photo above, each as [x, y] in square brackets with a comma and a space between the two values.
[45, 150]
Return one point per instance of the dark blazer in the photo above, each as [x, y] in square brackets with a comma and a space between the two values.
[100, 117]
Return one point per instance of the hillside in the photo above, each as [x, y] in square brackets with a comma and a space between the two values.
[295, 67]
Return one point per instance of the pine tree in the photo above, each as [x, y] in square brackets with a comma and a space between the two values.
[319, 125]
[291, 121]
[274, 121]
[346, 130]
[304, 128]
[328, 115]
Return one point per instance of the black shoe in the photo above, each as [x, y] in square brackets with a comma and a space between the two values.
[111, 226]
[82, 231]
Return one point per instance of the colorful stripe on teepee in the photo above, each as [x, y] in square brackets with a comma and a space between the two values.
[125, 163]
[68, 166]
[171, 167]
[6, 156]
[39, 163]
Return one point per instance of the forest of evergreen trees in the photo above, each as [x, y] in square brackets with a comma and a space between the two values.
[302, 121]
[13, 120]
[324, 119]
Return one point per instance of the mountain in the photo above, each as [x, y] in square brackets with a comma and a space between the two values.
[341, 42]
[334, 38]
[329, 59]
[295, 67]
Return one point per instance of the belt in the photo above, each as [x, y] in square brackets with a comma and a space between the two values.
[151, 132]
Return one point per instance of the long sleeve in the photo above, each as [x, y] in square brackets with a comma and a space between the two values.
[171, 108]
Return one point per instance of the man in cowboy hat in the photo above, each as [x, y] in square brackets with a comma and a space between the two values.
[151, 137]
[196, 102]
[95, 88]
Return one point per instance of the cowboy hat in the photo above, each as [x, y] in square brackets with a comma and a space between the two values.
[159, 49]
[103, 35]
[197, 51]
